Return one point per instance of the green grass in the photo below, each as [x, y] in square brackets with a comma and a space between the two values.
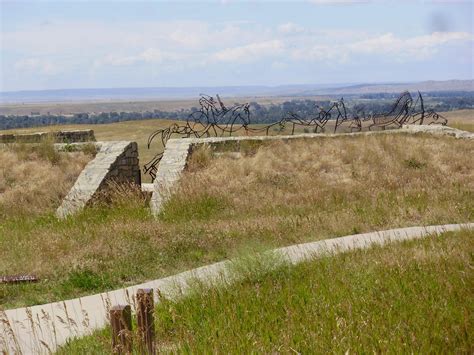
[409, 297]
[281, 194]
[203, 208]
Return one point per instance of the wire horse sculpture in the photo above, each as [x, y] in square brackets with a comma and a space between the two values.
[215, 119]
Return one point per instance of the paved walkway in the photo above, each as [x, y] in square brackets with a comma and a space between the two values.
[41, 329]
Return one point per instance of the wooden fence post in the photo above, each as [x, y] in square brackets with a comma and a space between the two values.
[121, 324]
[146, 321]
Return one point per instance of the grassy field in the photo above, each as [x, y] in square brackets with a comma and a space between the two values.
[410, 297]
[139, 131]
[276, 195]
[35, 178]
[129, 106]
[461, 119]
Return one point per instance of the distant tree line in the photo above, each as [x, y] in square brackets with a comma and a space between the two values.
[362, 105]
[24, 121]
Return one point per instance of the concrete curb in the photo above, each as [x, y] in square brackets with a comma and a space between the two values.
[43, 328]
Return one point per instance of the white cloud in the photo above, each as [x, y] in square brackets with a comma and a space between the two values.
[386, 45]
[178, 44]
[60, 37]
[250, 52]
[42, 66]
[290, 28]
[418, 47]
[149, 55]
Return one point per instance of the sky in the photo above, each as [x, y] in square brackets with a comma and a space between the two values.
[115, 44]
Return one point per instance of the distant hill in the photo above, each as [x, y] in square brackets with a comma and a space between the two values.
[167, 93]
[156, 93]
[424, 86]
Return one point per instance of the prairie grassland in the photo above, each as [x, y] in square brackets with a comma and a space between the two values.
[277, 194]
[139, 131]
[136, 131]
[345, 185]
[461, 119]
[126, 105]
[401, 298]
[35, 178]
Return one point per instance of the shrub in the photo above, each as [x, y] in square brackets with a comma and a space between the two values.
[414, 163]
[47, 151]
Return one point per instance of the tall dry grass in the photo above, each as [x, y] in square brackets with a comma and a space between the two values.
[275, 195]
[461, 119]
[344, 184]
[35, 178]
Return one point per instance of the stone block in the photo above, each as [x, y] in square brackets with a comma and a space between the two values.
[110, 164]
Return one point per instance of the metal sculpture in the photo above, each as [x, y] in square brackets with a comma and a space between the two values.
[215, 119]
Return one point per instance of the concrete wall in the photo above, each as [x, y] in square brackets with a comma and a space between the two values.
[114, 162]
[59, 137]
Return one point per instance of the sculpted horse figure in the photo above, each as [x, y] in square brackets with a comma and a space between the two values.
[336, 112]
[214, 120]
[164, 134]
[398, 114]
[421, 116]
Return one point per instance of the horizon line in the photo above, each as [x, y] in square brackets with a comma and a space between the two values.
[234, 86]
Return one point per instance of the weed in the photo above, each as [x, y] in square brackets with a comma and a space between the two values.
[200, 158]
[47, 151]
[414, 163]
[89, 149]
[204, 208]
[87, 280]
[69, 148]
[249, 147]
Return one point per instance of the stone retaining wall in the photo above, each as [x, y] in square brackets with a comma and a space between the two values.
[114, 162]
[59, 137]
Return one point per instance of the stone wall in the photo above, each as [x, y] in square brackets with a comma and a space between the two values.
[126, 167]
[114, 162]
[59, 137]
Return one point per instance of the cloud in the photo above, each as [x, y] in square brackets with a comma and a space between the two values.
[149, 55]
[42, 66]
[290, 28]
[250, 52]
[385, 45]
[174, 46]
[59, 37]
[418, 47]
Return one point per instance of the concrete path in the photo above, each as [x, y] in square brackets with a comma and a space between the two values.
[41, 329]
